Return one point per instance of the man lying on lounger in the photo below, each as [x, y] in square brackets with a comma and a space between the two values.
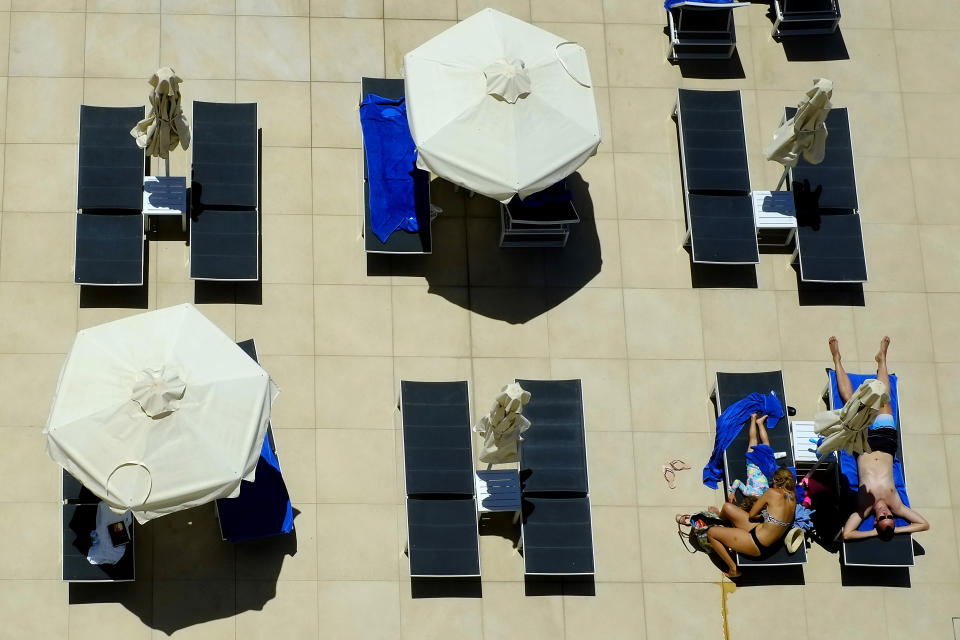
[877, 493]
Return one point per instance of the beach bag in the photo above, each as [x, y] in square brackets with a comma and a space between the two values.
[694, 538]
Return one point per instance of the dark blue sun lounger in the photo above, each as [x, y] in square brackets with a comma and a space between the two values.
[556, 530]
[721, 228]
[109, 240]
[225, 217]
[79, 518]
[702, 30]
[805, 17]
[263, 507]
[869, 552]
[728, 389]
[442, 532]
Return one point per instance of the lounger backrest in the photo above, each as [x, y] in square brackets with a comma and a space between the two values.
[732, 387]
[111, 165]
[553, 453]
[713, 144]
[225, 152]
[835, 175]
[809, 6]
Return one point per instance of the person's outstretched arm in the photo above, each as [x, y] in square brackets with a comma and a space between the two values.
[850, 531]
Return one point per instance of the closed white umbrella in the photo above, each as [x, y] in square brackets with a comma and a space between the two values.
[159, 412]
[502, 427]
[500, 107]
[846, 428]
[165, 126]
[805, 133]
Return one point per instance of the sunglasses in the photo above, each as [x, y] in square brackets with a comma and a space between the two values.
[880, 518]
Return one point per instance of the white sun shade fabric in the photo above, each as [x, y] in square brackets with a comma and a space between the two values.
[159, 412]
[805, 133]
[500, 107]
[165, 126]
[846, 428]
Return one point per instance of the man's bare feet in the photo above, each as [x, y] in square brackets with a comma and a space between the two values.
[882, 354]
[834, 348]
[732, 573]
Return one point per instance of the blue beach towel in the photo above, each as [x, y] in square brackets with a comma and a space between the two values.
[848, 463]
[670, 3]
[729, 424]
[762, 456]
[391, 160]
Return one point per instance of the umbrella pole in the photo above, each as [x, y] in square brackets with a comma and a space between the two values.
[166, 163]
[783, 179]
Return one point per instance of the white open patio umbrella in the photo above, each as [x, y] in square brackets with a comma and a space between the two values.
[159, 412]
[846, 428]
[165, 126]
[502, 427]
[499, 106]
[805, 133]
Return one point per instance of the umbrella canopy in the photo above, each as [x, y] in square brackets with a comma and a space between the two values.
[502, 427]
[159, 412]
[500, 107]
[846, 428]
[805, 133]
[165, 126]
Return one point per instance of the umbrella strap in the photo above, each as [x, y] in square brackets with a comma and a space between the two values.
[132, 463]
[564, 64]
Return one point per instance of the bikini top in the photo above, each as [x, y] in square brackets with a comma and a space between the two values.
[769, 518]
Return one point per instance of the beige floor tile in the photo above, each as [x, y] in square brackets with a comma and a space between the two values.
[490, 375]
[338, 256]
[267, 609]
[431, 322]
[628, 11]
[37, 247]
[591, 257]
[288, 249]
[919, 397]
[507, 612]
[28, 391]
[590, 36]
[879, 123]
[357, 466]
[38, 317]
[925, 14]
[336, 122]
[187, 546]
[402, 36]
[926, 470]
[88, 620]
[200, 46]
[937, 602]
[798, 342]
[663, 323]
[274, 7]
[499, 559]
[616, 544]
[124, 6]
[30, 552]
[600, 183]
[864, 14]
[283, 109]
[294, 408]
[286, 180]
[282, 324]
[932, 180]
[571, 337]
[353, 320]
[208, 90]
[952, 449]
[941, 261]
[447, 266]
[516, 8]
[931, 130]
[652, 381]
[610, 457]
[346, 8]
[637, 55]
[338, 183]
[223, 315]
[34, 608]
[173, 265]
[40, 177]
[369, 549]
[491, 266]
[212, 7]
[653, 254]
[914, 51]
[137, 35]
[620, 606]
[903, 317]
[45, 5]
[641, 120]
[296, 449]
[46, 44]
[289, 557]
[53, 119]
[420, 9]
[663, 557]
[804, 383]
[751, 609]
[194, 609]
[341, 601]
[438, 618]
[737, 324]
[668, 607]
[649, 186]
[885, 189]
[606, 390]
[567, 10]
[940, 562]
[654, 449]
[944, 323]
[346, 49]
[30, 474]
[894, 262]
[355, 392]
[493, 336]
[949, 402]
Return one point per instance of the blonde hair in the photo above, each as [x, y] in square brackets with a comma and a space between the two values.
[783, 479]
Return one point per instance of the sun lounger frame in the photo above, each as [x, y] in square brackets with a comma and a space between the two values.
[84, 498]
[812, 24]
[684, 47]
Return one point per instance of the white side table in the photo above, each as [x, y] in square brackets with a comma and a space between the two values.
[498, 490]
[802, 433]
[165, 196]
[774, 211]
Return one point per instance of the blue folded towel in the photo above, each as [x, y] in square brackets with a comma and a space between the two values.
[729, 424]
[669, 3]
[391, 161]
[762, 456]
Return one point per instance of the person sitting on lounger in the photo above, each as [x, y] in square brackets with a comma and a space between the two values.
[756, 533]
[877, 493]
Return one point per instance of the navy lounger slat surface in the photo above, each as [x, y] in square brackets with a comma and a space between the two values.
[836, 173]
[75, 493]
[557, 536]
[714, 144]
[723, 229]
[732, 387]
[443, 537]
[78, 521]
[831, 249]
[110, 175]
[553, 454]
[225, 151]
[436, 438]
[109, 249]
[224, 245]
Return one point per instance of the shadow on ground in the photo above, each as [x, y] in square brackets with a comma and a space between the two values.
[729, 69]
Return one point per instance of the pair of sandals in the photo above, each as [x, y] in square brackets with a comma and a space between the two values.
[670, 471]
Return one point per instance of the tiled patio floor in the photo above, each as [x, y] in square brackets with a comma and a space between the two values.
[618, 308]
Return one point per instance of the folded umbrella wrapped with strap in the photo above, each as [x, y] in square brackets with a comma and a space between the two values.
[846, 428]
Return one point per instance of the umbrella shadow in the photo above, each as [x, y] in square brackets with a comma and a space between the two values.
[187, 575]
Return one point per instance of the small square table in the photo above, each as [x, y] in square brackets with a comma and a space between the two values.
[165, 196]
[774, 211]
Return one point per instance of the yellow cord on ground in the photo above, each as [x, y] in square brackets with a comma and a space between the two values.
[726, 588]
